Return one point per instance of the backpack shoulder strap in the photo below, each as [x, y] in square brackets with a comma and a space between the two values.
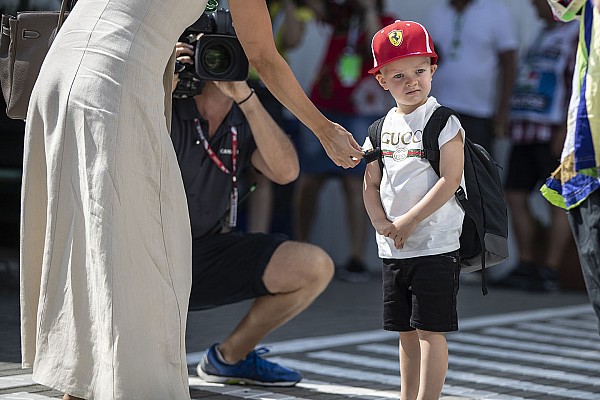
[431, 134]
[375, 138]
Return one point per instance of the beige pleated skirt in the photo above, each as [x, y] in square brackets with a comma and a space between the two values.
[105, 234]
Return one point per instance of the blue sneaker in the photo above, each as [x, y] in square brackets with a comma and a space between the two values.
[253, 370]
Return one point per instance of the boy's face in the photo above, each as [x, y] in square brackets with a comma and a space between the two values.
[408, 80]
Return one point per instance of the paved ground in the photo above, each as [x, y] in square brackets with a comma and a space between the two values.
[511, 345]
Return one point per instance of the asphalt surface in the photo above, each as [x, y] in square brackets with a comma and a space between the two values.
[511, 345]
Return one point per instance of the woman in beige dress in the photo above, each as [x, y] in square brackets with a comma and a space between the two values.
[105, 235]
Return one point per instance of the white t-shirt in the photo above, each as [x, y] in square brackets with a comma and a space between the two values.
[468, 46]
[406, 178]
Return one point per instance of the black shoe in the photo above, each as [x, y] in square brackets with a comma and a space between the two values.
[549, 277]
[354, 271]
[524, 277]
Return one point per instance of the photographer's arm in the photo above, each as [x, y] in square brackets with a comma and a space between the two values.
[253, 28]
[275, 155]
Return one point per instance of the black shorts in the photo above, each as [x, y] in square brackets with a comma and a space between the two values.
[420, 293]
[529, 165]
[229, 267]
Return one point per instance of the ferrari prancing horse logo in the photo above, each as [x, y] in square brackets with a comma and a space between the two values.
[395, 37]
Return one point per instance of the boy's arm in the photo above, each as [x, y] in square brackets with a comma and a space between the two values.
[372, 199]
[451, 169]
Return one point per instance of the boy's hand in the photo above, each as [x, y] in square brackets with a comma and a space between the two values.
[404, 227]
[384, 228]
[389, 230]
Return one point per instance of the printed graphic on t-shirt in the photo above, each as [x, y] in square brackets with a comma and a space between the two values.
[401, 145]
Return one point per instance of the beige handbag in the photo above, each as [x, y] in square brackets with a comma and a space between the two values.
[24, 43]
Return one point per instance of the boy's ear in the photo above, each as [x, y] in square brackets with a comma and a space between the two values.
[433, 68]
[381, 80]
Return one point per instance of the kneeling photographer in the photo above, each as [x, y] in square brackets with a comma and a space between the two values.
[217, 133]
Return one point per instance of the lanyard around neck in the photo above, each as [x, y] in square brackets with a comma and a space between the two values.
[233, 198]
[213, 155]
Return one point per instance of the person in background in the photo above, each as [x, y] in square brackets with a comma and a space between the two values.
[417, 218]
[575, 184]
[477, 46]
[344, 91]
[537, 131]
[218, 135]
[289, 18]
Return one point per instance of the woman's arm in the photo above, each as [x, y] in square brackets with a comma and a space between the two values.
[253, 29]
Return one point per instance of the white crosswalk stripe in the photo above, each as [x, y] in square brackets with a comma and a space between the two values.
[585, 324]
[553, 352]
[364, 376]
[518, 353]
[560, 331]
[14, 381]
[495, 365]
[482, 351]
[526, 346]
[540, 337]
[392, 365]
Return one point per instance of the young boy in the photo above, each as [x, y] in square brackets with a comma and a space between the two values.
[416, 216]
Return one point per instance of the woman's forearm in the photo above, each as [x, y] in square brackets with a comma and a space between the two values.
[282, 83]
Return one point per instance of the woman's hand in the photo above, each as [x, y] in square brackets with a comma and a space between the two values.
[340, 146]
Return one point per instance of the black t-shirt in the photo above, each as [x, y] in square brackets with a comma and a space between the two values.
[207, 187]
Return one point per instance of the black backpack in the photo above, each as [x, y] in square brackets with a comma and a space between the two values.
[484, 237]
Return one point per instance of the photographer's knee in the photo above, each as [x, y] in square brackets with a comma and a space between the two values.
[320, 265]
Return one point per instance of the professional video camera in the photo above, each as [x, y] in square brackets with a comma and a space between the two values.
[218, 54]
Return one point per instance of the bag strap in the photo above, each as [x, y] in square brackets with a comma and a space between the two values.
[431, 134]
[375, 138]
[64, 5]
[62, 16]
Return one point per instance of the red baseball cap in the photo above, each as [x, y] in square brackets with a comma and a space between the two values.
[398, 40]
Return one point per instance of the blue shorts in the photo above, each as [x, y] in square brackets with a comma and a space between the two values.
[314, 159]
[420, 293]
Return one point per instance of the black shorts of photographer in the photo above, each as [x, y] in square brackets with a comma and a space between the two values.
[218, 133]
